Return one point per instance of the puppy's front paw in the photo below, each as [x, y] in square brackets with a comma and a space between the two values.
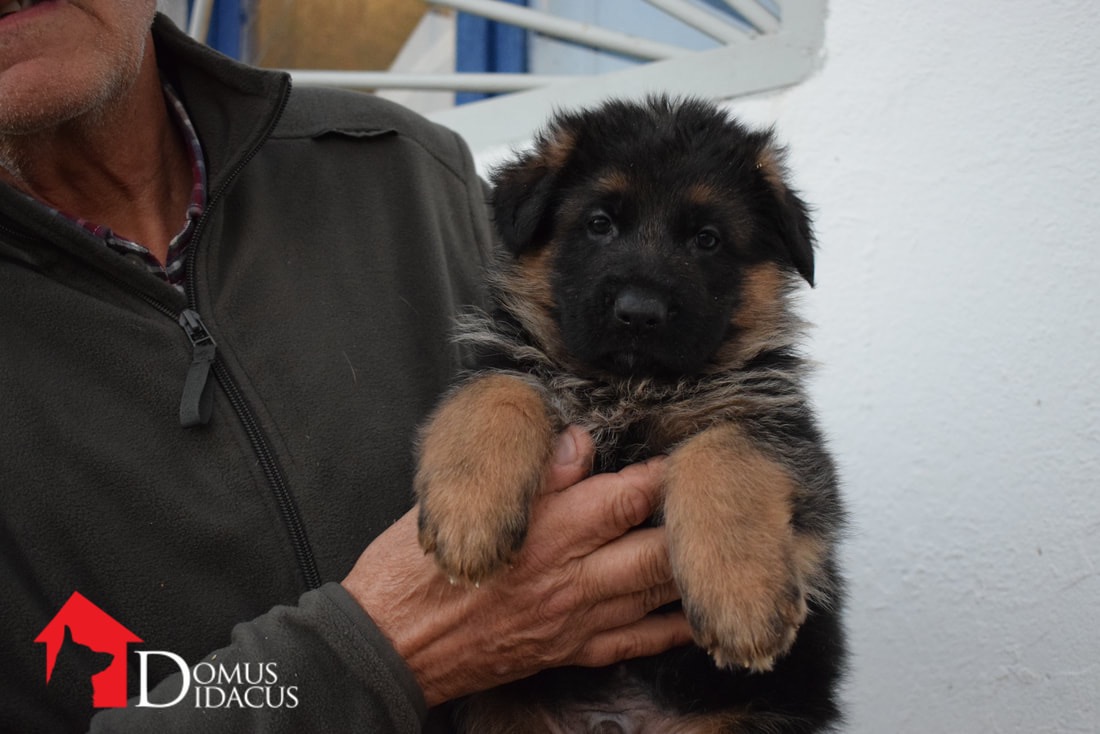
[741, 567]
[482, 457]
[470, 537]
[745, 618]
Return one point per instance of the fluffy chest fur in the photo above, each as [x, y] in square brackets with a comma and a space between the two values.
[633, 418]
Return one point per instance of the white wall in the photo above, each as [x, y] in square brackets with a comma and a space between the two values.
[952, 151]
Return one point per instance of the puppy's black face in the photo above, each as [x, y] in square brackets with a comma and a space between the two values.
[647, 268]
[653, 224]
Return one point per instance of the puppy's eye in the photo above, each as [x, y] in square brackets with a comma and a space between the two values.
[599, 225]
[706, 240]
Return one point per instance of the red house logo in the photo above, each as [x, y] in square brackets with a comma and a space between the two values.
[81, 622]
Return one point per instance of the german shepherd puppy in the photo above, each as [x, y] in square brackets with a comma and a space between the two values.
[650, 253]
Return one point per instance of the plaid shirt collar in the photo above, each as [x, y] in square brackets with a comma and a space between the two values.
[173, 270]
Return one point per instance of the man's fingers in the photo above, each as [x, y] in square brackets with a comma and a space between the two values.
[571, 461]
[603, 507]
[637, 561]
[622, 611]
[632, 607]
[651, 635]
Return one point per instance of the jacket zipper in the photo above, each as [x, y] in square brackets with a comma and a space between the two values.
[196, 401]
[269, 464]
[204, 354]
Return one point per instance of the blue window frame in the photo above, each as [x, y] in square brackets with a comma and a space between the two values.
[227, 18]
[488, 46]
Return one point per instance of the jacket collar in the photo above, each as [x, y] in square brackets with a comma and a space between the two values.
[234, 107]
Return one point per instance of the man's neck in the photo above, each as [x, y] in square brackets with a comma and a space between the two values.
[123, 166]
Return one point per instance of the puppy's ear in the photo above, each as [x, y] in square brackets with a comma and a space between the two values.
[521, 200]
[523, 190]
[788, 214]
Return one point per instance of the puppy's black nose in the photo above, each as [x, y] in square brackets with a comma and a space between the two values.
[640, 310]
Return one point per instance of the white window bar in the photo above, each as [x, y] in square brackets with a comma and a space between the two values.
[569, 30]
[461, 82]
[199, 25]
[766, 62]
[771, 44]
[756, 14]
[702, 20]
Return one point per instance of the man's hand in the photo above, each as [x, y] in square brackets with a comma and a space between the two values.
[579, 593]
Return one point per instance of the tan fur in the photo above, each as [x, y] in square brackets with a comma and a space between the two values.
[500, 714]
[760, 317]
[770, 163]
[702, 194]
[612, 182]
[735, 554]
[761, 298]
[528, 284]
[482, 457]
[524, 287]
[554, 152]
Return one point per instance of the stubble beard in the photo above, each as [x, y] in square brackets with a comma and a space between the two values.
[77, 108]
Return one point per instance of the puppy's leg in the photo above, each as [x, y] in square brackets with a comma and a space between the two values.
[744, 570]
[482, 457]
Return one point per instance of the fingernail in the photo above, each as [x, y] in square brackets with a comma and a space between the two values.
[565, 451]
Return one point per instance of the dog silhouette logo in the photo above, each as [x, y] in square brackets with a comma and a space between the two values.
[86, 652]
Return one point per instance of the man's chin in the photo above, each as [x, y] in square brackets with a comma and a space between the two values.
[44, 85]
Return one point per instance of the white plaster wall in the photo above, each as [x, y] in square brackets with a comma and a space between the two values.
[953, 153]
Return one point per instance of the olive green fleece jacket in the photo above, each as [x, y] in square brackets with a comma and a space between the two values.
[341, 235]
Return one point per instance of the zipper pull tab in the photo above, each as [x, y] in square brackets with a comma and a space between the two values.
[197, 402]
